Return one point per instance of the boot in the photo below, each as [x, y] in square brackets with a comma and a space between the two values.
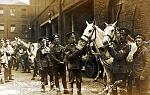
[1, 79]
[46, 81]
[10, 77]
[71, 88]
[52, 85]
[66, 91]
[65, 85]
[43, 87]
[79, 89]
[6, 75]
[32, 78]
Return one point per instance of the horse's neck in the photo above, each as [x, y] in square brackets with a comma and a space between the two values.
[36, 45]
[99, 38]
[24, 44]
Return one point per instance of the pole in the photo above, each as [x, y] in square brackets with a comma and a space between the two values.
[60, 22]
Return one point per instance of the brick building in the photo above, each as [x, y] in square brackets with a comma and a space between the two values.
[15, 20]
[70, 15]
[73, 14]
[132, 14]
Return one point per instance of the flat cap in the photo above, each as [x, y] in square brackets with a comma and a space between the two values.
[69, 34]
[139, 36]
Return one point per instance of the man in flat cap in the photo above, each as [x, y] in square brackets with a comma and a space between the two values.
[74, 66]
[42, 60]
[119, 50]
[141, 66]
[57, 57]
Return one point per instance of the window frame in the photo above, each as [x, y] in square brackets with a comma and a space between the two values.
[3, 29]
[11, 28]
[23, 12]
[1, 11]
[12, 12]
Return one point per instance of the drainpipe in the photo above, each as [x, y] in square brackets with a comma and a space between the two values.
[61, 22]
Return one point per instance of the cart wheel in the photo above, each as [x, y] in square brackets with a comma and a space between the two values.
[91, 67]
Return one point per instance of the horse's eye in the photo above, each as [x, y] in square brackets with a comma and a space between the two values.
[112, 30]
[90, 30]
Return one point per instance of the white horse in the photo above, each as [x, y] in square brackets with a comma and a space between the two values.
[31, 48]
[101, 39]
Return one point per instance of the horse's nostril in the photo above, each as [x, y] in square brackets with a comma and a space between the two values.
[105, 43]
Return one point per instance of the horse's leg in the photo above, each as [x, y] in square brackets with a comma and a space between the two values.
[107, 73]
[97, 76]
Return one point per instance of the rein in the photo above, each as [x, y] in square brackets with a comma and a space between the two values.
[89, 38]
[111, 38]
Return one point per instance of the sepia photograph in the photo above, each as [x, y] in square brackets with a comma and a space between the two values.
[74, 47]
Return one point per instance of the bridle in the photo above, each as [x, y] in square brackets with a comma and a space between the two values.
[111, 38]
[89, 38]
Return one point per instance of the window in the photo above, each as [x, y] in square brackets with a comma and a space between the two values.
[1, 11]
[12, 12]
[12, 28]
[23, 12]
[1, 27]
[24, 28]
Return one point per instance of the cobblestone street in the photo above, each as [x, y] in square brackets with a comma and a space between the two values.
[23, 85]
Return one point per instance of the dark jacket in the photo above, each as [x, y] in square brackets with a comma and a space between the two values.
[141, 66]
[119, 52]
[74, 63]
[57, 55]
[42, 58]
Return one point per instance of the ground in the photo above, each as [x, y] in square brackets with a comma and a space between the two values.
[23, 85]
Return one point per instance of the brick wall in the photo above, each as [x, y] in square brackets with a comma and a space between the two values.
[100, 12]
[135, 15]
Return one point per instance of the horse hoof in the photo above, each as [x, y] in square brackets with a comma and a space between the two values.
[33, 79]
[95, 80]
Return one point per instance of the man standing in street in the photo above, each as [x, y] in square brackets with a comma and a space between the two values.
[74, 66]
[57, 57]
[119, 50]
[42, 60]
[141, 66]
[3, 62]
[9, 52]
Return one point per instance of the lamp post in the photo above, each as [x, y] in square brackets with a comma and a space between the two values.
[50, 14]
[29, 27]
[28, 31]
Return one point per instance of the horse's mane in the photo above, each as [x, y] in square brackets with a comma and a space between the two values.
[99, 37]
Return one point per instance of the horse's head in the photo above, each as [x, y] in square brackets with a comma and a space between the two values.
[109, 33]
[88, 31]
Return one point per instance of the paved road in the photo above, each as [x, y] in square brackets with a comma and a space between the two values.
[23, 85]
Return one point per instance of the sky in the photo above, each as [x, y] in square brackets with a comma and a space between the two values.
[25, 1]
[10, 1]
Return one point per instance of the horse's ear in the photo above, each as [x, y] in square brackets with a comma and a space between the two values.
[106, 24]
[87, 23]
[94, 22]
[114, 24]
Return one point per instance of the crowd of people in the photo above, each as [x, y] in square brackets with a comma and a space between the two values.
[53, 59]
[12, 57]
